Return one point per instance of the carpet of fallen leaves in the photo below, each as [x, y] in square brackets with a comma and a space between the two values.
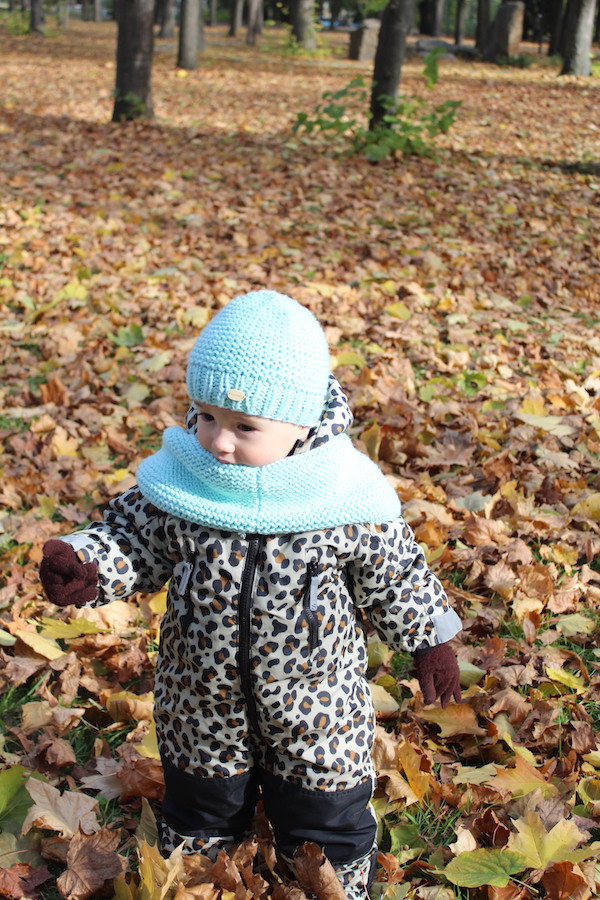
[461, 300]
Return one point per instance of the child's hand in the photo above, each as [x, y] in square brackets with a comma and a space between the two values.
[437, 671]
[65, 579]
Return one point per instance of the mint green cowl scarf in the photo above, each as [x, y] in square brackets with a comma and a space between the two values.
[330, 485]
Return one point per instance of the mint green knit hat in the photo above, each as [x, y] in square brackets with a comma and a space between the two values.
[263, 354]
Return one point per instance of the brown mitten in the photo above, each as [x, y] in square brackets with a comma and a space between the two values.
[66, 580]
[437, 671]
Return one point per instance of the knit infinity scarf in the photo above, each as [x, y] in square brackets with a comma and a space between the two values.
[330, 485]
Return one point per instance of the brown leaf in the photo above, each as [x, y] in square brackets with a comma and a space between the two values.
[316, 874]
[141, 777]
[21, 881]
[564, 881]
[92, 863]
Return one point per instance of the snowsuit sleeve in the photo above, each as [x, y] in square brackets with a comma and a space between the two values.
[401, 597]
[129, 545]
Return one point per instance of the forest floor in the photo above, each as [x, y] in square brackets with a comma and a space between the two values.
[460, 295]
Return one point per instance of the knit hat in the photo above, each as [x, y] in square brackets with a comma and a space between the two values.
[265, 355]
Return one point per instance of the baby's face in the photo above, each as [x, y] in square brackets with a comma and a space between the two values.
[234, 437]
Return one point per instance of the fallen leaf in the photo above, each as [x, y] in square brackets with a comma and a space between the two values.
[92, 864]
[66, 813]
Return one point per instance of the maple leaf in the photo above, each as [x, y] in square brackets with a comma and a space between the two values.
[565, 881]
[540, 847]
[316, 874]
[21, 880]
[521, 780]
[66, 813]
[92, 862]
[456, 719]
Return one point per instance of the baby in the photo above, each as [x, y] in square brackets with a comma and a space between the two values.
[277, 536]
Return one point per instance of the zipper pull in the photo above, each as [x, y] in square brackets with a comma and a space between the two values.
[312, 586]
[185, 577]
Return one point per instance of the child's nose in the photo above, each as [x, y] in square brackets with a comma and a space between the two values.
[223, 441]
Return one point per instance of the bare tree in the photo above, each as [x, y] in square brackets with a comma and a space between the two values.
[189, 34]
[578, 31]
[254, 21]
[302, 13]
[397, 20]
[133, 91]
[36, 18]
[236, 12]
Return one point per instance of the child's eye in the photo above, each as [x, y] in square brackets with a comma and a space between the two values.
[206, 417]
[246, 428]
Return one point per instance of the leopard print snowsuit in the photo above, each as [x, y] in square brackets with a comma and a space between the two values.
[260, 681]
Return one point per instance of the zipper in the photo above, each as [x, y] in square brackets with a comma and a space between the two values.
[310, 604]
[245, 612]
[184, 590]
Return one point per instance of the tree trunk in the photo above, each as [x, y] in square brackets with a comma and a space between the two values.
[133, 91]
[97, 11]
[36, 20]
[201, 38]
[167, 24]
[482, 30]
[397, 20]
[236, 11]
[254, 21]
[461, 18]
[431, 13]
[302, 14]
[578, 29]
[213, 13]
[189, 33]
[85, 10]
[555, 15]
[62, 13]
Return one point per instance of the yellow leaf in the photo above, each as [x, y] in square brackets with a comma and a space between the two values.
[457, 718]
[589, 789]
[399, 311]
[521, 780]
[47, 506]
[474, 774]
[550, 424]
[136, 394]
[324, 289]
[148, 747]
[54, 629]
[588, 508]
[540, 847]
[158, 603]
[156, 362]
[348, 358]
[526, 754]
[593, 758]
[533, 406]
[576, 623]
[574, 682]
[115, 477]
[182, 73]
[62, 444]
[371, 438]
[410, 761]
[382, 701]
[40, 645]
